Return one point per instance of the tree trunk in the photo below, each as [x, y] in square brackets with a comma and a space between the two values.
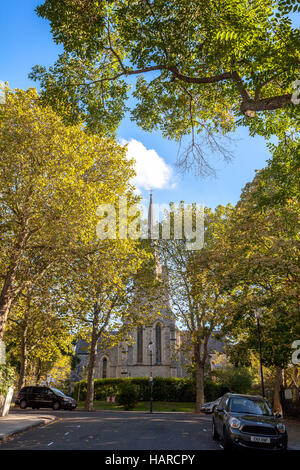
[278, 382]
[38, 372]
[199, 365]
[199, 388]
[22, 375]
[88, 406]
[6, 295]
[5, 306]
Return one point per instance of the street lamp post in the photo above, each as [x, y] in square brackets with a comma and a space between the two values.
[257, 316]
[151, 378]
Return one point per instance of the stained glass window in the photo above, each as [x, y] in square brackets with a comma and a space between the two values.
[158, 343]
[140, 344]
[104, 368]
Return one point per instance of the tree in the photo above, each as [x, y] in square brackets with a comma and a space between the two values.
[37, 332]
[52, 179]
[196, 292]
[202, 67]
[262, 243]
[97, 291]
[279, 181]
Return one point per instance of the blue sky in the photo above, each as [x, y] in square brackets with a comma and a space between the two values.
[26, 41]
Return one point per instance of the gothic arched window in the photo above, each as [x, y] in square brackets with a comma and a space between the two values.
[104, 368]
[140, 345]
[158, 343]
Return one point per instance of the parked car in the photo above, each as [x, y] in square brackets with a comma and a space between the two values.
[247, 421]
[210, 406]
[44, 397]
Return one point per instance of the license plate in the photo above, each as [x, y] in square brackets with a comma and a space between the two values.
[265, 440]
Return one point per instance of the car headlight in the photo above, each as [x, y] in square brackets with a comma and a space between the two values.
[281, 428]
[234, 423]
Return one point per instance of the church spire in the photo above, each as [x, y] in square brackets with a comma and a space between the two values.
[151, 218]
[151, 233]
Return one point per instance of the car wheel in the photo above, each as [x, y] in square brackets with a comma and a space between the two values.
[215, 435]
[285, 445]
[227, 443]
[23, 404]
[56, 406]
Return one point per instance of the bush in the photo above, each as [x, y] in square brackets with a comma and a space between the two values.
[186, 391]
[292, 409]
[7, 377]
[230, 379]
[164, 389]
[106, 388]
[213, 390]
[234, 379]
[128, 395]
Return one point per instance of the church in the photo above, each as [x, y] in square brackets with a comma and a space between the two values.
[153, 349]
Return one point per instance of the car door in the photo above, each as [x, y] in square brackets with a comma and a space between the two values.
[26, 394]
[48, 396]
[37, 397]
[34, 396]
[220, 414]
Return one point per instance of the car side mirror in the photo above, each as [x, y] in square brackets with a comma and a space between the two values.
[277, 415]
[219, 408]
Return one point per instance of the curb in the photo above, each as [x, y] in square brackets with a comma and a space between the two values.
[43, 421]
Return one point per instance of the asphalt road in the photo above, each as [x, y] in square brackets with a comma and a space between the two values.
[106, 430]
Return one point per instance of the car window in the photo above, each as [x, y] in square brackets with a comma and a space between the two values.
[250, 406]
[58, 392]
[223, 402]
[226, 404]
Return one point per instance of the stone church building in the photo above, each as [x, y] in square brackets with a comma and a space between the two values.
[152, 350]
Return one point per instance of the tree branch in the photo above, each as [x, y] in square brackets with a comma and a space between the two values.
[249, 106]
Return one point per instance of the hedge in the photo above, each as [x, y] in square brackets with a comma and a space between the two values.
[164, 389]
[7, 377]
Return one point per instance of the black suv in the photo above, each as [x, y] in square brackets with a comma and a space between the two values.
[44, 397]
[247, 421]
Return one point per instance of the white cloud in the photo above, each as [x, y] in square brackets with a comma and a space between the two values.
[151, 169]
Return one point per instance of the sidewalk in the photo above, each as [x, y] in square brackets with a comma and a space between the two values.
[293, 429]
[15, 423]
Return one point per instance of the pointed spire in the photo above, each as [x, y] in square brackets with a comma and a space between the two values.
[151, 228]
[151, 218]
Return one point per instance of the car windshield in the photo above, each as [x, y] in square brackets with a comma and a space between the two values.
[58, 392]
[251, 406]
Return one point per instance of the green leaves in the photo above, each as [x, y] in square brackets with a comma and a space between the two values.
[7, 378]
[199, 67]
[263, 258]
[52, 179]
[287, 6]
[226, 35]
